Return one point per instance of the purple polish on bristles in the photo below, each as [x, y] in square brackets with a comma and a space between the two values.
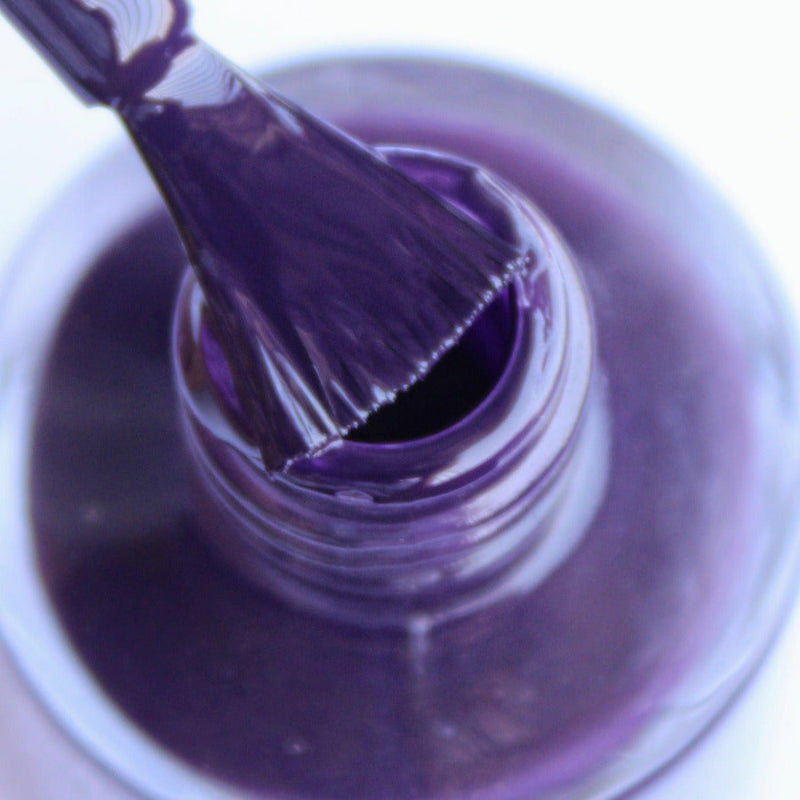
[334, 280]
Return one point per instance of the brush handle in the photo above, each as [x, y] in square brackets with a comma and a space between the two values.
[105, 50]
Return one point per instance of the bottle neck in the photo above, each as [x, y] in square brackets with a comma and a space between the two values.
[409, 533]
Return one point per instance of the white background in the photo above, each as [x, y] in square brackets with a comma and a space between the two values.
[718, 81]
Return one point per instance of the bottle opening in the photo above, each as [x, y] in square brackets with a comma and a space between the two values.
[457, 385]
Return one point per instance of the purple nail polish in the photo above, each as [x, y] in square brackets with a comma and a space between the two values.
[520, 580]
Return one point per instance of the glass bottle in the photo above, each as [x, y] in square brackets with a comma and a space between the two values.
[554, 595]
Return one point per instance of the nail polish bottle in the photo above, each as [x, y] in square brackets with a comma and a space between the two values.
[543, 572]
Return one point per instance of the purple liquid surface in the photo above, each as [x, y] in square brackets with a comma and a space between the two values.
[502, 704]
